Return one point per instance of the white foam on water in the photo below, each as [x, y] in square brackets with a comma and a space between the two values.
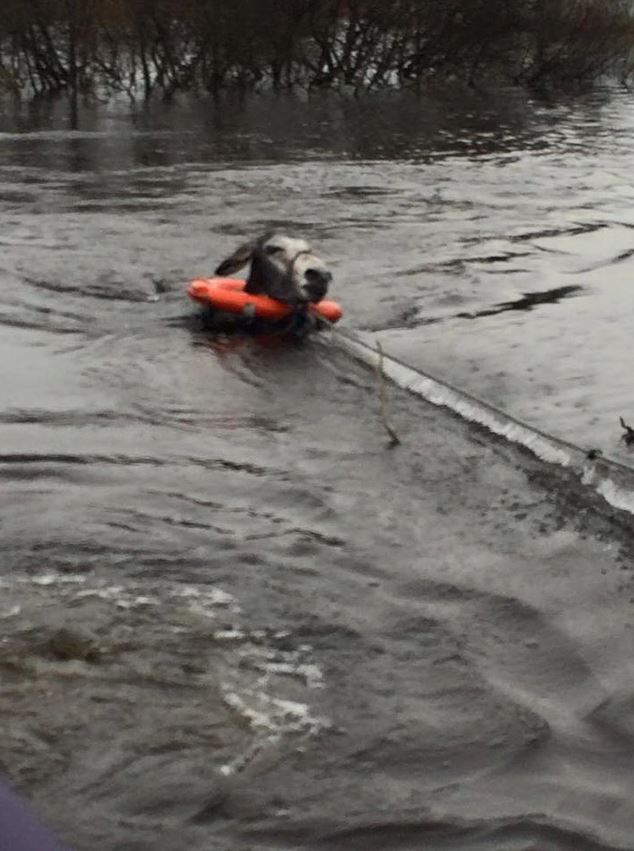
[248, 757]
[11, 612]
[598, 477]
[213, 596]
[287, 663]
[265, 712]
[232, 634]
[268, 681]
[123, 598]
[205, 601]
[271, 719]
[54, 578]
[257, 718]
[264, 704]
[308, 672]
[616, 496]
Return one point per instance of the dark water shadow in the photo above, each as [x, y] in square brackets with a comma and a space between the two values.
[613, 261]
[527, 302]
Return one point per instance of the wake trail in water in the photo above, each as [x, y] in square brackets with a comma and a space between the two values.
[612, 480]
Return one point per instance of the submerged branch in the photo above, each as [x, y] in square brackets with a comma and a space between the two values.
[394, 438]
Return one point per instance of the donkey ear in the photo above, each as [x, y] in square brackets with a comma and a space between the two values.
[237, 260]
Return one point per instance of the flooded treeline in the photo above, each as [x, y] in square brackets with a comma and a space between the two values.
[166, 46]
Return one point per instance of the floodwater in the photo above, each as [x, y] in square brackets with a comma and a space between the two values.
[232, 618]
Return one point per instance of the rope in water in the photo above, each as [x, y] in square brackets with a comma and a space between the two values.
[613, 479]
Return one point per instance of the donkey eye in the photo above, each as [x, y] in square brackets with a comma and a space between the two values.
[272, 249]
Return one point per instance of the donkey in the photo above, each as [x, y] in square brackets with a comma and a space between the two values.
[282, 267]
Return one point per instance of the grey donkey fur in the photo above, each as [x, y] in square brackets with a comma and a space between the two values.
[282, 267]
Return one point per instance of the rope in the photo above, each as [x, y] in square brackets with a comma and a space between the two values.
[375, 357]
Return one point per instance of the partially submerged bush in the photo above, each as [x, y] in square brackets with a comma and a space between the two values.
[142, 46]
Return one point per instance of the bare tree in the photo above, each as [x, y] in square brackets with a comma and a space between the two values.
[167, 46]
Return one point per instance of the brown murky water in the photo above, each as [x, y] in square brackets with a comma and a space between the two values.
[231, 618]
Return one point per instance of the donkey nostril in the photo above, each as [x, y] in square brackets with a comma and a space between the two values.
[319, 275]
[315, 288]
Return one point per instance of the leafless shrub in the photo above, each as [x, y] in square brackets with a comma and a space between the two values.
[166, 46]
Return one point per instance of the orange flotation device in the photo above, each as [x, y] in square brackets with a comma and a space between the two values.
[228, 294]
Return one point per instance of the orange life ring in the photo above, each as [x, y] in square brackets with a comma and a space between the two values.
[228, 294]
